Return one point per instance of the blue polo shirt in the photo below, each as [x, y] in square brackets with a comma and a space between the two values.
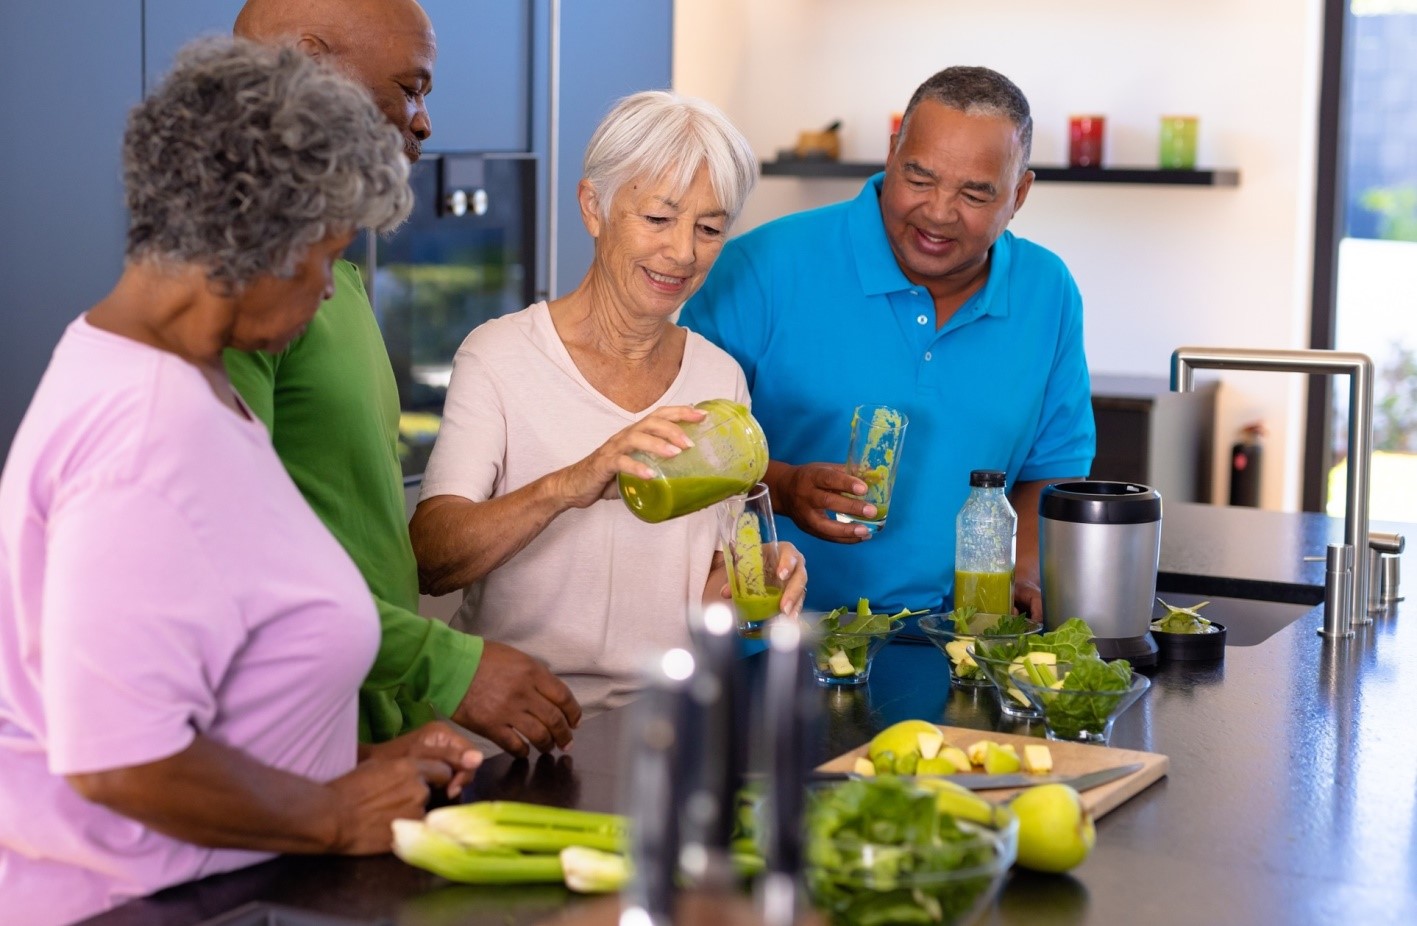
[822, 319]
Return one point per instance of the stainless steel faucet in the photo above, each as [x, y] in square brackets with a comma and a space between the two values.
[1359, 369]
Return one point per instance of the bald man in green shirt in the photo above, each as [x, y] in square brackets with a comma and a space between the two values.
[332, 408]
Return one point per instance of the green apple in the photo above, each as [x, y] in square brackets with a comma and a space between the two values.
[1055, 831]
[901, 738]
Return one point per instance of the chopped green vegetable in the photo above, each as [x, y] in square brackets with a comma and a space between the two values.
[842, 648]
[523, 827]
[1183, 620]
[879, 852]
[590, 871]
[508, 842]
[1070, 712]
[422, 846]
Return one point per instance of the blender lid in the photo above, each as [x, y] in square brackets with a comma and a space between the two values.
[1097, 502]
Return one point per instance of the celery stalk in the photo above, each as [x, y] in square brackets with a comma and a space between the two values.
[491, 825]
[422, 846]
[590, 871]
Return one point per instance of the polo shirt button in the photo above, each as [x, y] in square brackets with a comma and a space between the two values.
[929, 356]
[921, 319]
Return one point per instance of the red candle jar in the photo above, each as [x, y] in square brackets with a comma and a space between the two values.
[1085, 135]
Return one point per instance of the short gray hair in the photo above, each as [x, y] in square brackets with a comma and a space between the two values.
[978, 91]
[661, 135]
[246, 155]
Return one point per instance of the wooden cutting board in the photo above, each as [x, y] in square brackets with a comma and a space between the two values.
[1068, 759]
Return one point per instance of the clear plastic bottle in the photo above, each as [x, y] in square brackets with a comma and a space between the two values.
[985, 535]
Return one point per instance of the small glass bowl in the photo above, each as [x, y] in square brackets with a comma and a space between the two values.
[1081, 716]
[844, 658]
[951, 881]
[1000, 672]
[938, 626]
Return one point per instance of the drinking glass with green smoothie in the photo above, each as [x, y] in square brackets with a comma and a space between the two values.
[748, 536]
[728, 457]
[877, 439]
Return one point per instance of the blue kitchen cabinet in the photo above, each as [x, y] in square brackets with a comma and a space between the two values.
[481, 88]
[608, 48]
[170, 24]
[70, 71]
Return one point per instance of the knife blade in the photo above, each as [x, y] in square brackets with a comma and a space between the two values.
[982, 782]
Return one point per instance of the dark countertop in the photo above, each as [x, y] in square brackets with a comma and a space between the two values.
[1291, 798]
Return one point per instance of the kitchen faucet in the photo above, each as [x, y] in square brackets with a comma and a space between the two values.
[1359, 369]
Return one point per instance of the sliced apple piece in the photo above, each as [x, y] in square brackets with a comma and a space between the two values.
[930, 743]
[977, 751]
[958, 758]
[864, 767]
[958, 651]
[1037, 759]
[999, 760]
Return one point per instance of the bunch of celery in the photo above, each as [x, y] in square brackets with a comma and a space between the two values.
[506, 842]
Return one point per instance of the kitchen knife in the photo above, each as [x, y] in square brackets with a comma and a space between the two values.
[979, 782]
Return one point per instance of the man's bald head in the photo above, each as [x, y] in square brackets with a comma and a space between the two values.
[386, 45]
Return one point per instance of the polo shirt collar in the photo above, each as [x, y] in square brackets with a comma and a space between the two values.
[879, 273]
[876, 265]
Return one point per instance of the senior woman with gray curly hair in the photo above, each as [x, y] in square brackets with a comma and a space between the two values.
[546, 405]
[181, 640]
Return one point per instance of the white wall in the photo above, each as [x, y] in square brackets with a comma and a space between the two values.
[1158, 266]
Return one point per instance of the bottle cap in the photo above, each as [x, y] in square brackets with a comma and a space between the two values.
[986, 478]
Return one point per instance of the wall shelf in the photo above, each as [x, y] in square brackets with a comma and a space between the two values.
[822, 168]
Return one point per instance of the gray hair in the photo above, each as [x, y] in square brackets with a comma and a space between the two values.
[658, 134]
[978, 91]
[246, 155]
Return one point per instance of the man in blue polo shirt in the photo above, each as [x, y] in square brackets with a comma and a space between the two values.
[911, 295]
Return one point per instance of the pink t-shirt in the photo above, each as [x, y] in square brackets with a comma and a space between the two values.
[160, 576]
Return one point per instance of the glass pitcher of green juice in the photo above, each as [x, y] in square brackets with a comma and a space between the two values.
[729, 456]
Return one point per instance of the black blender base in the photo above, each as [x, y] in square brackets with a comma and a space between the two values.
[1139, 651]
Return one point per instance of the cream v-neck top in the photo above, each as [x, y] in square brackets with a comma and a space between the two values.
[598, 593]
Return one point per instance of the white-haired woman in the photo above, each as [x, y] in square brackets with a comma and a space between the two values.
[181, 639]
[546, 405]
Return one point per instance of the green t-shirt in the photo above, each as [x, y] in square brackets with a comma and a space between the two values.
[332, 406]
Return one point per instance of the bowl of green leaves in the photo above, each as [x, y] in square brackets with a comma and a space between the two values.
[1081, 699]
[879, 850]
[1003, 659]
[1183, 634]
[952, 632]
[848, 641]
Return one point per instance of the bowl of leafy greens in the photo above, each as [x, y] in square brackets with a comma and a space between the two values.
[952, 632]
[847, 642]
[1001, 660]
[1081, 699]
[880, 850]
[1183, 634]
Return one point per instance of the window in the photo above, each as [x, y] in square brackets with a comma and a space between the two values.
[1366, 259]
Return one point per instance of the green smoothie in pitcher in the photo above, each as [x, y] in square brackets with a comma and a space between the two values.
[727, 456]
[656, 500]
